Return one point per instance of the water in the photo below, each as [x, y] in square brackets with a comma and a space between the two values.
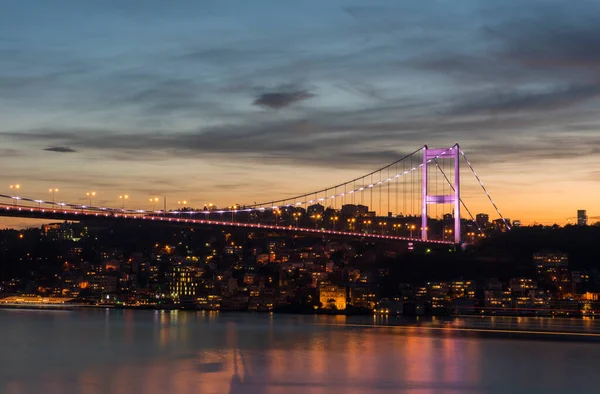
[112, 351]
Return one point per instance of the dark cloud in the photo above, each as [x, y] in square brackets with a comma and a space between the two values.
[555, 38]
[521, 100]
[60, 149]
[279, 100]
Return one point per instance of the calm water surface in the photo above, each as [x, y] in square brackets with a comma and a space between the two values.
[112, 351]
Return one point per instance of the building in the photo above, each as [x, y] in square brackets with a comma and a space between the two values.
[497, 299]
[104, 282]
[315, 209]
[333, 297]
[582, 217]
[351, 210]
[58, 231]
[363, 297]
[522, 285]
[388, 306]
[183, 281]
[501, 224]
[463, 289]
[482, 219]
[439, 295]
[552, 266]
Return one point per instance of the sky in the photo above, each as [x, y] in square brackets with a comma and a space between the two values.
[241, 101]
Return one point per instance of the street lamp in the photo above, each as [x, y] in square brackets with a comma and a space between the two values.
[368, 223]
[153, 200]
[382, 224]
[412, 227]
[334, 219]
[296, 216]
[316, 218]
[181, 205]
[396, 227]
[53, 191]
[447, 234]
[351, 222]
[123, 198]
[90, 196]
[234, 208]
[14, 189]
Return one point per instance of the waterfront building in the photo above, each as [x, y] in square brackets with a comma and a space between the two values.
[333, 297]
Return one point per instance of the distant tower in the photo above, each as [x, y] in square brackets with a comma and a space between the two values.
[440, 153]
[582, 217]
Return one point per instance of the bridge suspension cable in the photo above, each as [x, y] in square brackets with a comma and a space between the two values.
[461, 200]
[485, 190]
[285, 202]
[276, 203]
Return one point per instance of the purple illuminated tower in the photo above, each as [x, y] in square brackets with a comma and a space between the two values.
[431, 155]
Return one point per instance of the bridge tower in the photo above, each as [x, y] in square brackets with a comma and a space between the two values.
[430, 156]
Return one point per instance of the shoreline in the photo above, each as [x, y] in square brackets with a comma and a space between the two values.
[504, 314]
[426, 325]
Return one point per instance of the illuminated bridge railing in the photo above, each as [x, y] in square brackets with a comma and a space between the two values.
[81, 212]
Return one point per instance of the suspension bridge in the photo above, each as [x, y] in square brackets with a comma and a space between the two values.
[416, 198]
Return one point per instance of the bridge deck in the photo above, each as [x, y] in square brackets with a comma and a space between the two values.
[82, 214]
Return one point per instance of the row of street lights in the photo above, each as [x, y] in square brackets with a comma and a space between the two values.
[90, 195]
[296, 215]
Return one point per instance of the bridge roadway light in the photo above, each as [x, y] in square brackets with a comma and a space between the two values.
[296, 216]
[412, 227]
[90, 196]
[14, 189]
[53, 191]
[181, 205]
[396, 227]
[382, 224]
[276, 212]
[233, 208]
[316, 218]
[368, 223]
[123, 198]
[153, 200]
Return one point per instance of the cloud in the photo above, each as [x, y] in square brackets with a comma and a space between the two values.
[523, 100]
[60, 149]
[556, 38]
[279, 100]
[435, 79]
[9, 153]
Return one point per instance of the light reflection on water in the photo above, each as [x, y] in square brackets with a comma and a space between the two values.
[112, 351]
